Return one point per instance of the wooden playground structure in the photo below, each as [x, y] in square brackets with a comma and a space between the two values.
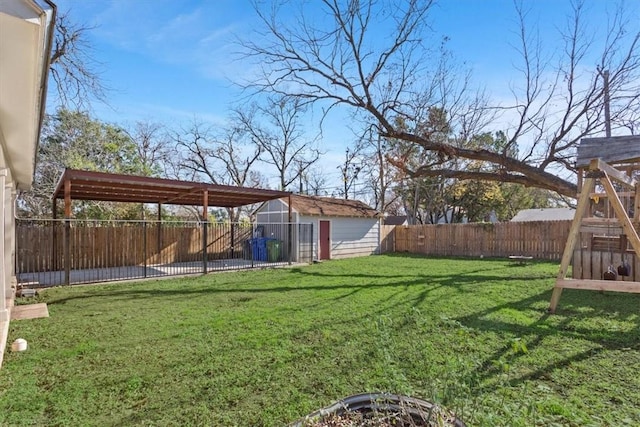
[603, 240]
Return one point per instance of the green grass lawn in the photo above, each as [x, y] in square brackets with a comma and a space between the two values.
[263, 348]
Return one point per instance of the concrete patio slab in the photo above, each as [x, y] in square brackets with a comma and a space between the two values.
[29, 311]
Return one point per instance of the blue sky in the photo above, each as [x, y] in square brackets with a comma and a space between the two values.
[172, 60]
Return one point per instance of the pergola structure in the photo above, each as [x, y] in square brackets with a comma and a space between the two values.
[100, 186]
[109, 187]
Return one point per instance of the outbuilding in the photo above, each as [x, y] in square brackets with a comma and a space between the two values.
[340, 228]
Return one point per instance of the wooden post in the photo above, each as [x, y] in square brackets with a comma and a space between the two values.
[144, 245]
[159, 233]
[55, 265]
[233, 240]
[205, 221]
[67, 232]
[290, 249]
[574, 232]
[636, 204]
[607, 102]
[580, 180]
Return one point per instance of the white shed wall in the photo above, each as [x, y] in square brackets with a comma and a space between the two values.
[350, 237]
[275, 212]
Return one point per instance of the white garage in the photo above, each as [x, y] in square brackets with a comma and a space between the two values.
[341, 228]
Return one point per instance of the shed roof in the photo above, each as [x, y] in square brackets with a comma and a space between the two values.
[614, 149]
[396, 220]
[89, 185]
[547, 214]
[328, 206]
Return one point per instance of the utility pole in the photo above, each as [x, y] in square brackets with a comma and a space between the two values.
[607, 101]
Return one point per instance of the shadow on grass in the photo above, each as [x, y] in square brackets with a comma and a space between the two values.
[456, 281]
[582, 308]
[575, 321]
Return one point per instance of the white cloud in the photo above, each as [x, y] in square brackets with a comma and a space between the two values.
[194, 35]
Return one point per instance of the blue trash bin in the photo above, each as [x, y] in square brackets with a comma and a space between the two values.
[259, 248]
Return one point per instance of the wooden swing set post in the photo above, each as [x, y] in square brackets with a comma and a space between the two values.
[588, 186]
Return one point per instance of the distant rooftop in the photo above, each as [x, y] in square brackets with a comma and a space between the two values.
[546, 214]
[395, 220]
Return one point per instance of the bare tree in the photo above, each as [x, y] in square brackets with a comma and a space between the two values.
[226, 158]
[276, 128]
[73, 67]
[152, 145]
[315, 181]
[346, 64]
[350, 169]
[381, 175]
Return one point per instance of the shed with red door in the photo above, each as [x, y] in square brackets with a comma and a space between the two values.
[341, 228]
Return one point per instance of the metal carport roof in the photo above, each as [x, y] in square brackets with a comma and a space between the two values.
[100, 186]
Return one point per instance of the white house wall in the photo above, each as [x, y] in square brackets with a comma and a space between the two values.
[23, 38]
[24, 49]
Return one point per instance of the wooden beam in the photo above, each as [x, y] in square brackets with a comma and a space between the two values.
[603, 226]
[613, 173]
[67, 198]
[602, 222]
[602, 229]
[580, 180]
[159, 226]
[599, 285]
[54, 236]
[181, 196]
[636, 205]
[67, 232]
[622, 193]
[205, 205]
[205, 230]
[574, 232]
[290, 248]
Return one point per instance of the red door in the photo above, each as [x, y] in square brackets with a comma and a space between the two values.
[325, 240]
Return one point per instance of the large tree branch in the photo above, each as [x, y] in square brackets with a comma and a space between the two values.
[534, 175]
[503, 176]
[398, 81]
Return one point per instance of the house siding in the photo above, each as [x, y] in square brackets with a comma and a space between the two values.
[353, 237]
[275, 212]
[350, 237]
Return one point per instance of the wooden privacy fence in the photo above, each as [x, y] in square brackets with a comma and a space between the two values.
[387, 239]
[539, 239]
[77, 251]
[102, 244]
